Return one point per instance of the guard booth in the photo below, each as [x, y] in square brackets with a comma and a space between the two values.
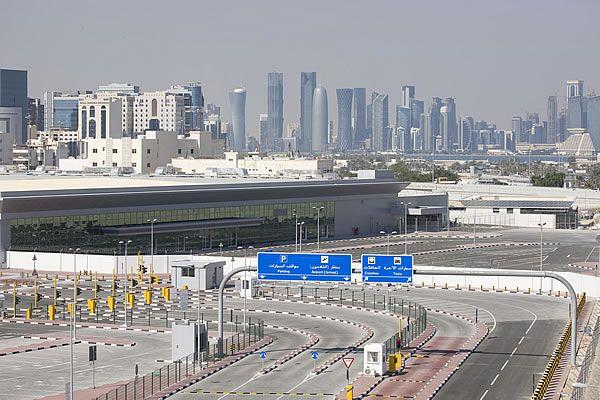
[184, 339]
[247, 287]
[197, 274]
[374, 359]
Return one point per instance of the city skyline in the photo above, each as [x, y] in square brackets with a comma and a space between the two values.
[523, 86]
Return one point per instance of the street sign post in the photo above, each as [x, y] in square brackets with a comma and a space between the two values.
[304, 267]
[263, 356]
[348, 363]
[92, 357]
[386, 268]
[315, 356]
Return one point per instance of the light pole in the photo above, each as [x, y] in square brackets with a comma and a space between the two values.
[598, 265]
[72, 328]
[541, 225]
[126, 243]
[301, 228]
[60, 259]
[185, 237]
[581, 385]
[296, 231]
[244, 287]
[318, 226]
[388, 238]
[405, 224]
[474, 224]
[152, 221]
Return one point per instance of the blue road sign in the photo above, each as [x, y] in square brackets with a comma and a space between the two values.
[386, 268]
[263, 354]
[304, 267]
[314, 355]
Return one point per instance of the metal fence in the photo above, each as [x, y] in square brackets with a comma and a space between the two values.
[147, 385]
[588, 362]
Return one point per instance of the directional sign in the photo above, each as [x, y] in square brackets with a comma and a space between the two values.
[263, 355]
[314, 355]
[304, 267]
[386, 268]
[348, 361]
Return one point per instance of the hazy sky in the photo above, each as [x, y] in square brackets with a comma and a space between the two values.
[498, 58]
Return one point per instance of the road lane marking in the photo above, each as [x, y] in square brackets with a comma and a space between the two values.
[521, 341]
[494, 381]
[513, 352]
[504, 366]
[484, 394]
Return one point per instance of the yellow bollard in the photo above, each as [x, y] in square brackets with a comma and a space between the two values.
[110, 300]
[148, 296]
[28, 313]
[349, 392]
[70, 307]
[167, 294]
[51, 312]
[131, 300]
[392, 363]
[398, 361]
[91, 305]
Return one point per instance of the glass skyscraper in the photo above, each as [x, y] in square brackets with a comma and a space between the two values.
[380, 111]
[13, 93]
[237, 100]
[274, 111]
[344, 136]
[308, 83]
[359, 116]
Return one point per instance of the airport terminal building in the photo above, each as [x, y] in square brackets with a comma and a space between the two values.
[54, 214]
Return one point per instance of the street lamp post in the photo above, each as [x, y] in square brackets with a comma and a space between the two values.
[245, 289]
[295, 231]
[72, 331]
[541, 225]
[388, 239]
[318, 226]
[126, 243]
[405, 225]
[301, 228]
[598, 265]
[152, 221]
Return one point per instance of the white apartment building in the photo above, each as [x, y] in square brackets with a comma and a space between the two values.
[159, 111]
[100, 116]
[144, 153]
[255, 165]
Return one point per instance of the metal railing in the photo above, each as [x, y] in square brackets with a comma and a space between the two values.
[587, 363]
[156, 381]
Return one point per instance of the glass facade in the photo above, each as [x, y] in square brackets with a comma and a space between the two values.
[65, 113]
[87, 231]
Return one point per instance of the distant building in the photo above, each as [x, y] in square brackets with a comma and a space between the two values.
[13, 93]
[380, 122]
[119, 89]
[263, 129]
[35, 113]
[408, 93]
[100, 117]
[417, 109]
[403, 128]
[578, 144]
[574, 88]
[212, 124]
[344, 103]
[61, 110]
[359, 120]
[449, 132]
[237, 100]
[516, 125]
[157, 111]
[308, 83]
[274, 111]
[320, 118]
[553, 135]
[10, 129]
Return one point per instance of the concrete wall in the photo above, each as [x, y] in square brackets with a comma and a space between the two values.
[486, 216]
[369, 215]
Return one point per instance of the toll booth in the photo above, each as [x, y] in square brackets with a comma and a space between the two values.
[247, 287]
[184, 339]
[374, 359]
[196, 274]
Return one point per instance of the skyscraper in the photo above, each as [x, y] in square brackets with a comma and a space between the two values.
[13, 93]
[358, 115]
[196, 108]
[417, 108]
[444, 123]
[308, 83]
[320, 120]
[275, 111]
[403, 127]
[516, 125]
[237, 100]
[450, 127]
[408, 93]
[574, 88]
[380, 122]
[344, 102]
[263, 128]
[433, 124]
[552, 133]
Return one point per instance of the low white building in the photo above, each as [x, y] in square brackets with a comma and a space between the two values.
[142, 154]
[515, 211]
[100, 117]
[255, 165]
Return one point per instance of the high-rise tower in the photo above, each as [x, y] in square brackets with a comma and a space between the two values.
[552, 134]
[359, 97]
[237, 100]
[380, 122]
[308, 83]
[344, 136]
[274, 111]
[408, 93]
[320, 119]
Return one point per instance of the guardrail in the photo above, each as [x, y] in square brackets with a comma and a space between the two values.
[587, 363]
[551, 367]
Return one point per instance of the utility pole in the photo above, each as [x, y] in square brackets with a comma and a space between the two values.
[126, 243]
[318, 226]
